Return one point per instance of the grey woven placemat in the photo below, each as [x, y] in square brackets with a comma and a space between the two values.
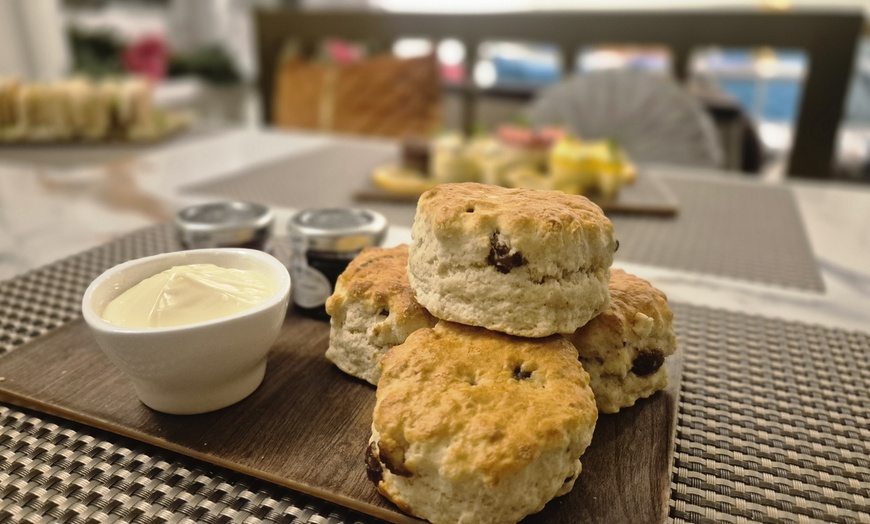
[774, 421]
[726, 228]
[340, 170]
[52, 470]
[774, 426]
[46, 298]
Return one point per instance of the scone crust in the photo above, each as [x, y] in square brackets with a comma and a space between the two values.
[534, 220]
[624, 348]
[471, 412]
[524, 262]
[372, 309]
[378, 276]
[630, 295]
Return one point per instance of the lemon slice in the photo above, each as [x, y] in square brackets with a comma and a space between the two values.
[629, 173]
[402, 181]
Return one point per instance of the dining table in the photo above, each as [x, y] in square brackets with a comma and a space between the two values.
[769, 283]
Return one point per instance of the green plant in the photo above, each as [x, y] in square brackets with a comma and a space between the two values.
[95, 54]
[212, 64]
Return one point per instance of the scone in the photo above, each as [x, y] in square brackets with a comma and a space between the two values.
[473, 426]
[372, 310]
[624, 348]
[521, 261]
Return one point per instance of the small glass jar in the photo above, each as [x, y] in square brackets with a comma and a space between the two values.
[324, 241]
[225, 224]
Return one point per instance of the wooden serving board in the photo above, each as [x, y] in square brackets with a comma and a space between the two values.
[308, 424]
[648, 195]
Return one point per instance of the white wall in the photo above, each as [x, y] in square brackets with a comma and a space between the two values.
[33, 44]
[13, 55]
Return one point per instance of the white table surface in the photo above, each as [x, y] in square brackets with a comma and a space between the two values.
[46, 215]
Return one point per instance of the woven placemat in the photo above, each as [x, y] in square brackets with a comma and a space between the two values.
[773, 423]
[726, 228]
[46, 298]
[340, 170]
[52, 470]
[774, 426]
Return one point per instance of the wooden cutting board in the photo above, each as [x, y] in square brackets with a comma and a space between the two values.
[307, 426]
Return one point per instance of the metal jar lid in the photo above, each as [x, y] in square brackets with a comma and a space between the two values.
[338, 230]
[224, 224]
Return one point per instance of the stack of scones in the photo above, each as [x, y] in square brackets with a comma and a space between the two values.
[494, 340]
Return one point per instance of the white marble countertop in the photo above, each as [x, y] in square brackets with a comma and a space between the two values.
[47, 214]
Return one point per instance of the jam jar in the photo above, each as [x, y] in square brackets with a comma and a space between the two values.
[324, 241]
[225, 224]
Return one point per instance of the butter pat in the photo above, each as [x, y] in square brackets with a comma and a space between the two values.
[187, 295]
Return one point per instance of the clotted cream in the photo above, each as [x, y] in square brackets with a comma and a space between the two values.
[189, 294]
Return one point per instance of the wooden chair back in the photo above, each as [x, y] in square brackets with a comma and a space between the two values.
[382, 96]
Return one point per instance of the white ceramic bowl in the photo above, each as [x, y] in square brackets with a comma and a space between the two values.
[198, 367]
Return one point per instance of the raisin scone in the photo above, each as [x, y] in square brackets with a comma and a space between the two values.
[372, 310]
[624, 348]
[525, 262]
[475, 426]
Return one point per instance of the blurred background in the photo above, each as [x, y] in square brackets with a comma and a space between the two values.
[202, 55]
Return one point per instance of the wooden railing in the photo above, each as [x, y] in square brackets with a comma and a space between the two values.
[829, 39]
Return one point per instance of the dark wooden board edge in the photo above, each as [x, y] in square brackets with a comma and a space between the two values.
[395, 517]
[666, 444]
[674, 388]
[387, 511]
[98, 423]
[667, 399]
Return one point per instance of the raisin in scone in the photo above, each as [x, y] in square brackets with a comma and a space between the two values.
[475, 426]
[525, 262]
[624, 348]
[372, 310]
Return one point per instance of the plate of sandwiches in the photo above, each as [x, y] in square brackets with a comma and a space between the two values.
[494, 340]
[80, 110]
[514, 156]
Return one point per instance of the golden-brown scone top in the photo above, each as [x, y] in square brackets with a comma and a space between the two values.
[379, 277]
[534, 220]
[630, 295]
[494, 401]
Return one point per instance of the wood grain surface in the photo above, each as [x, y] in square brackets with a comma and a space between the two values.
[307, 426]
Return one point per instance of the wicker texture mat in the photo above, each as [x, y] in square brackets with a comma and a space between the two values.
[52, 470]
[774, 426]
[726, 228]
[46, 298]
[774, 421]
[339, 169]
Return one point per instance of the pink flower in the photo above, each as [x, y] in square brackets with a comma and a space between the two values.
[342, 52]
[148, 57]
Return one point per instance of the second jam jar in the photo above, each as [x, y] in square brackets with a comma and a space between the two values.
[324, 241]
